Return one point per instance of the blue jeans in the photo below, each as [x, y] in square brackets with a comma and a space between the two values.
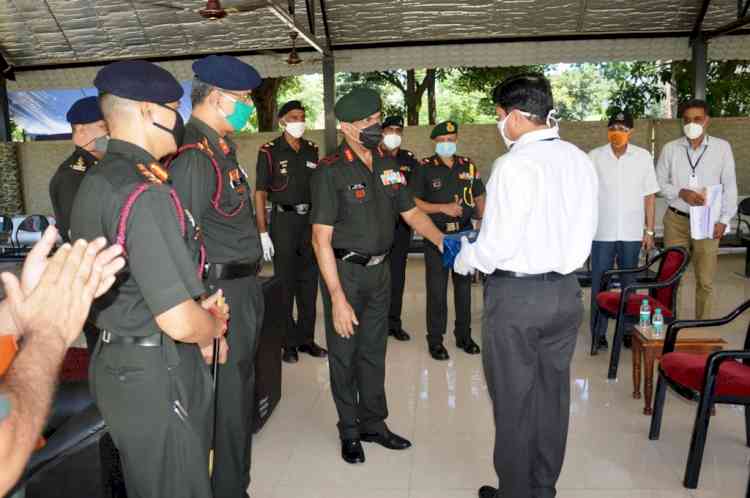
[603, 255]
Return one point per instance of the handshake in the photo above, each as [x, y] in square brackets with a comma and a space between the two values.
[452, 245]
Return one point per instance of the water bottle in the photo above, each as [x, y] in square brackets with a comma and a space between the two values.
[645, 320]
[658, 322]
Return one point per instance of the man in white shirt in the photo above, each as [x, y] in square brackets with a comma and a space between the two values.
[627, 211]
[539, 222]
[685, 168]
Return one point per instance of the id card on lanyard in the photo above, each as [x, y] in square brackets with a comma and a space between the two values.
[693, 182]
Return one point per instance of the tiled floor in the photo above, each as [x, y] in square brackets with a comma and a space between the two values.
[444, 409]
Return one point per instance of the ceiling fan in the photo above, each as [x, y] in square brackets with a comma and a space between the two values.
[293, 58]
[214, 10]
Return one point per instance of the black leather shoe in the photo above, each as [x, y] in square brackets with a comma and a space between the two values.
[351, 451]
[468, 345]
[399, 335]
[313, 350]
[488, 492]
[387, 439]
[439, 352]
[290, 355]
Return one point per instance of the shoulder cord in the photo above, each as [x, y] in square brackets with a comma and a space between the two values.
[204, 148]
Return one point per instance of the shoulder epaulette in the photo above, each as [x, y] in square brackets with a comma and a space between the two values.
[329, 159]
[312, 144]
[425, 161]
[409, 153]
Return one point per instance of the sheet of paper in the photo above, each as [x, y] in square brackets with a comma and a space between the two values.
[703, 218]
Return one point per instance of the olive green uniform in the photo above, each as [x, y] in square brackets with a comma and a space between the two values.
[436, 183]
[156, 400]
[64, 185]
[63, 188]
[401, 242]
[232, 246]
[362, 206]
[284, 174]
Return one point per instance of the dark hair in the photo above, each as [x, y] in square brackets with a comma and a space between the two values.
[528, 92]
[694, 104]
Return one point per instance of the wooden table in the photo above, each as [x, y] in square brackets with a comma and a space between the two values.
[647, 349]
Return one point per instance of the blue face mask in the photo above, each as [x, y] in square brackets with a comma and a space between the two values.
[445, 149]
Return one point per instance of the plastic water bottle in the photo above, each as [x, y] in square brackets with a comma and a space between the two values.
[645, 320]
[658, 322]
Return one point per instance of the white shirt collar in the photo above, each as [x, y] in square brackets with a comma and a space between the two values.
[703, 144]
[539, 135]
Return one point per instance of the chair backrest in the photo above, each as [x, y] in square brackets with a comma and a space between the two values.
[674, 260]
[743, 209]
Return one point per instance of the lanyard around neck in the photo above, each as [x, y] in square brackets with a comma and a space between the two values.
[690, 161]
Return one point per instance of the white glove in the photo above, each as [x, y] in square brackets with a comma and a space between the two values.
[460, 265]
[265, 241]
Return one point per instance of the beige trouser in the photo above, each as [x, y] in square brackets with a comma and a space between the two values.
[704, 254]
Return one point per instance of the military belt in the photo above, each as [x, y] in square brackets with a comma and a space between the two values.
[300, 209]
[359, 258]
[232, 271]
[550, 276]
[149, 341]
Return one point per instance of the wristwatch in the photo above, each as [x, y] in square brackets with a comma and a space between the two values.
[650, 232]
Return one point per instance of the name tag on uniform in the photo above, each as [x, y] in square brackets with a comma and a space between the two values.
[358, 189]
[311, 165]
[693, 183]
[391, 177]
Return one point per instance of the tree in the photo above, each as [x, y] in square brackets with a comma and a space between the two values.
[644, 87]
[580, 92]
[265, 98]
[404, 81]
[483, 79]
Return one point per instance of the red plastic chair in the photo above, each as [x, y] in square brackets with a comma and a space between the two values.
[626, 305]
[720, 377]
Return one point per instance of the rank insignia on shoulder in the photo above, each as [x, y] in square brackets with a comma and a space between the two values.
[461, 160]
[225, 149]
[405, 167]
[79, 165]
[465, 175]
[409, 153]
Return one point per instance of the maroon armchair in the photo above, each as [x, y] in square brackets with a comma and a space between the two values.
[625, 306]
[720, 377]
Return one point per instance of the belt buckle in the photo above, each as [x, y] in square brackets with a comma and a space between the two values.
[106, 337]
[451, 227]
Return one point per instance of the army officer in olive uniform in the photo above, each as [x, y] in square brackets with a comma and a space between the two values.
[393, 127]
[148, 376]
[357, 194]
[90, 140]
[447, 187]
[215, 190]
[283, 176]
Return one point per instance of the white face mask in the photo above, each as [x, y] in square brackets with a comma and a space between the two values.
[392, 141]
[693, 130]
[296, 129]
[552, 122]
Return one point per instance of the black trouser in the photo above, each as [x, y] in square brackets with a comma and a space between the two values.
[236, 387]
[436, 282]
[357, 364]
[139, 392]
[294, 261]
[398, 256]
[529, 330]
